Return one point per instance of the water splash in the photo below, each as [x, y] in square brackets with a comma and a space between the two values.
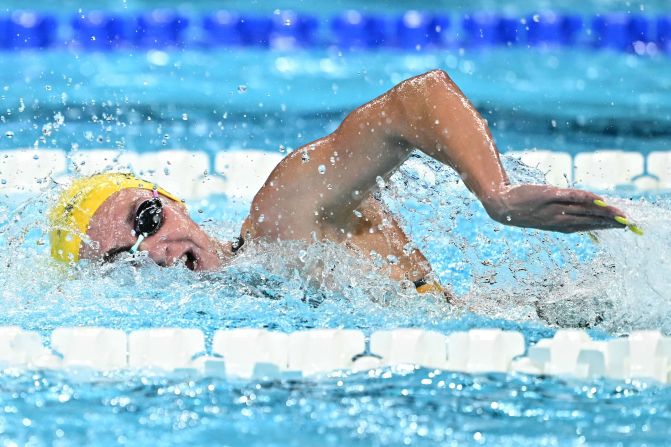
[523, 276]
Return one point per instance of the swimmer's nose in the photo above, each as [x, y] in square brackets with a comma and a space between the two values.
[158, 250]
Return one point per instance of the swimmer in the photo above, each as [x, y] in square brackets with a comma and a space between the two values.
[301, 200]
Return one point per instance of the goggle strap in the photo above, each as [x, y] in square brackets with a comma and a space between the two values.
[136, 246]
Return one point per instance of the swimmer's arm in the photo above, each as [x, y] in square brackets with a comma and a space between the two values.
[328, 178]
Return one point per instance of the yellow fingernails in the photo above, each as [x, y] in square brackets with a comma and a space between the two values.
[600, 203]
[632, 227]
[621, 220]
[636, 229]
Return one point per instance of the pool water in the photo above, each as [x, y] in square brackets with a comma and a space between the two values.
[505, 277]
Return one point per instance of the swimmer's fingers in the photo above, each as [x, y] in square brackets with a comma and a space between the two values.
[590, 210]
[590, 204]
[570, 223]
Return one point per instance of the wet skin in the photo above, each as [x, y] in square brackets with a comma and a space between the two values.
[297, 202]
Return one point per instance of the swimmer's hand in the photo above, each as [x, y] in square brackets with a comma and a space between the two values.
[553, 209]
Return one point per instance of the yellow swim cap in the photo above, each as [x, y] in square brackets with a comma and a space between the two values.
[70, 217]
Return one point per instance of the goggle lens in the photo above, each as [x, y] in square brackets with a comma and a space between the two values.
[149, 217]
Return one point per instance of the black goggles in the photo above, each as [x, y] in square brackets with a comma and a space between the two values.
[148, 220]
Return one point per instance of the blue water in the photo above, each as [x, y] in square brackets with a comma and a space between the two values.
[571, 100]
[505, 277]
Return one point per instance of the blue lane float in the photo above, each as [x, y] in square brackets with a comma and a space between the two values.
[222, 28]
[619, 31]
[290, 29]
[411, 30]
[553, 29]
[27, 30]
[353, 29]
[160, 28]
[664, 33]
[99, 31]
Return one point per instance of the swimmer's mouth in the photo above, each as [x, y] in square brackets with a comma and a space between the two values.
[190, 261]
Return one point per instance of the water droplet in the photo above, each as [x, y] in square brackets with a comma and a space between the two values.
[261, 218]
[185, 117]
[321, 169]
[3, 181]
[166, 171]
[305, 157]
[357, 213]
[22, 105]
[302, 255]
[9, 134]
[59, 119]
[47, 87]
[282, 149]
[508, 218]
[392, 259]
[380, 182]
[242, 88]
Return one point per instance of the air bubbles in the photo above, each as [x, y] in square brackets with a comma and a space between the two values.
[242, 89]
[380, 182]
[305, 157]
[185, 117]
[261, 218]
[408, 248]
[283, 149]
[321, 169]
[9, 134]
[47, 88]
[357, 213]
[59, 119]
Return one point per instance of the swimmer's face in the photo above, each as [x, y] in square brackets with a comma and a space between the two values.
[178, 238]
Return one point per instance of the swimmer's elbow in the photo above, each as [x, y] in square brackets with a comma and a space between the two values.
[433, 82]
[418, 96]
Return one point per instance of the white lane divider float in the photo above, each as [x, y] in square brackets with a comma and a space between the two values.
[262, 354]
[240, 173]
